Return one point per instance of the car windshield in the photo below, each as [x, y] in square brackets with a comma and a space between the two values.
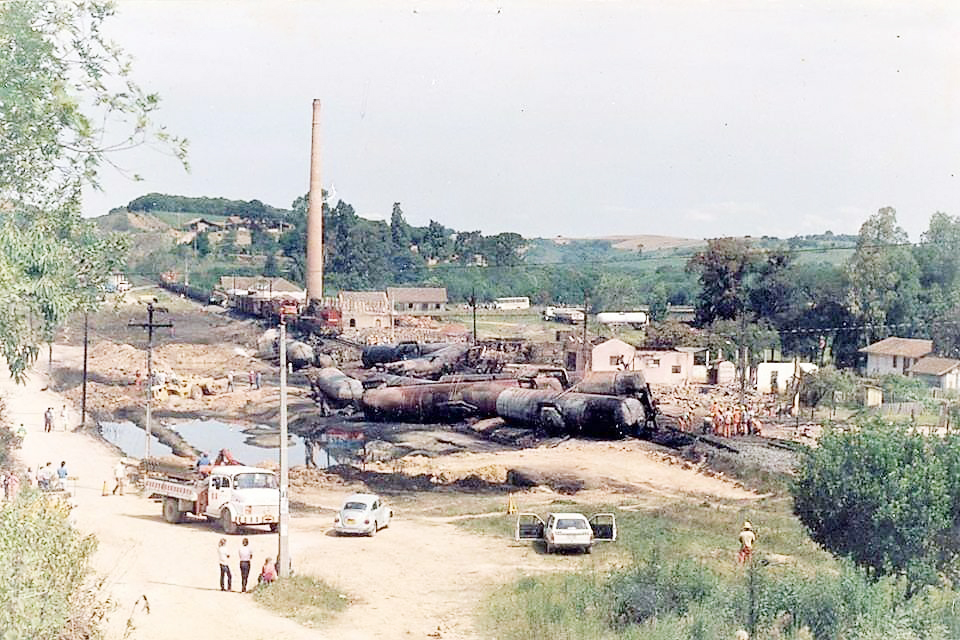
[571, 523]
[355, 506]
[256, 481]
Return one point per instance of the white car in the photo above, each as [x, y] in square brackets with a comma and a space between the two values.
[362, 513]
[567, 530]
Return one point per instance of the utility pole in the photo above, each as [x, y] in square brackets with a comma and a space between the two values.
[283, 551]
[83, 401]
[473, 304]
[150, 325]
[743, 356]
[586, 300]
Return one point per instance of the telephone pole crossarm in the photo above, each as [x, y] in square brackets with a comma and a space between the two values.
[150, 325]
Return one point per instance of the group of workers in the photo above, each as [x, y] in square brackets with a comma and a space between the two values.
[738, 420]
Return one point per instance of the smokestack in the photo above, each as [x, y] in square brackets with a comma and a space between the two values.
[315, 217]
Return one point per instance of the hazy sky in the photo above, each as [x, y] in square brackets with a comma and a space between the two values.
[696, 119]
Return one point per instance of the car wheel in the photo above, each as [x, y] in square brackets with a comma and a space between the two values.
[376, 527]
[227, 523]
[171, 511]
[587, 549]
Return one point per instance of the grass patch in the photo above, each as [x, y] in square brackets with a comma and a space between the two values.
[308, 600]
[678, 579]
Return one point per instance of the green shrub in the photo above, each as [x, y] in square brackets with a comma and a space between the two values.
[43, 564]
[308, 600]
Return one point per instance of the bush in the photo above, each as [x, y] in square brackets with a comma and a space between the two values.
[886, 497]
[306, 599]
[43, 565]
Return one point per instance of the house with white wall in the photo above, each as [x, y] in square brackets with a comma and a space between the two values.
[942, 373]
[775, 377]
[667, 366]
[895, 355]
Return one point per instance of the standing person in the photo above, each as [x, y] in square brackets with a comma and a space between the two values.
[12, 487]
[230, 382]
[258, 379]
[747, 539]
[63, 417]
[48, 420]
[224, 557]
[250, 378]
[245, 554]
[119, 472]
[62, 474]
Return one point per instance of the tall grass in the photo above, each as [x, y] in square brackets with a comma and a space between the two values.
[680, 581]
[306, 599]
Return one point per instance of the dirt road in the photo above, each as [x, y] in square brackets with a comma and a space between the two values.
[419, 575]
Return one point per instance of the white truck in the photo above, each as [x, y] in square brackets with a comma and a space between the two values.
[233, 495]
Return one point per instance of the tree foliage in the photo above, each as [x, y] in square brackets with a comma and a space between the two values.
[886, 497]
[723, 268]
[43, 563]
[884, 276]
[67, 104]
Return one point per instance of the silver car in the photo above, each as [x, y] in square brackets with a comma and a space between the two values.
[363, 513]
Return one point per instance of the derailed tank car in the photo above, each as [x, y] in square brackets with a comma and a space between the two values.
[582, 414]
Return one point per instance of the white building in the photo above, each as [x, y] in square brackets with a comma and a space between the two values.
[668, 366]
[775, 377]
[895, 355]
[943, 373]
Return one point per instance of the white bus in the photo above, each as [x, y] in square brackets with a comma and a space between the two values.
[512, 303]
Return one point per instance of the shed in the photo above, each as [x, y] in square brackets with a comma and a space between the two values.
[364, 309]
[416, 301]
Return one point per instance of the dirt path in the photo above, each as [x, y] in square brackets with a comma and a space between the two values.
[421, 575]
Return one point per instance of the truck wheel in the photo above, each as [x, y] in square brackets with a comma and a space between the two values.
[227, 523]
[587, 549]
[171, 511]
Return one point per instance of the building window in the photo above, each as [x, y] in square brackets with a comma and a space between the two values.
[409, 305]
[437, 306]
[653, 362]
[675, 368]
[894, 362]
[615, 360]
[353, 322]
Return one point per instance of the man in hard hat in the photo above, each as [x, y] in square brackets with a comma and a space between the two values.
[747, 538]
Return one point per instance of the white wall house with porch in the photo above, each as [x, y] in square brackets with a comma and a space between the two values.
[895, 355]
[942, 373]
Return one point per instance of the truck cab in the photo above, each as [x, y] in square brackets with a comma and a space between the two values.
[239, 495]
[233, 495]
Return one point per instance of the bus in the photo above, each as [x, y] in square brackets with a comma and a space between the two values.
[512, 303]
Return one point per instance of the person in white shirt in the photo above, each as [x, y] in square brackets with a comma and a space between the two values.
[224, 557]
[245, 554]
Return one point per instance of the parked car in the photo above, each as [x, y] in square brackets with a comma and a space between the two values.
[363, 513]
[567, 530]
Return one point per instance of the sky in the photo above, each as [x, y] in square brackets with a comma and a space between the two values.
[563, 118]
